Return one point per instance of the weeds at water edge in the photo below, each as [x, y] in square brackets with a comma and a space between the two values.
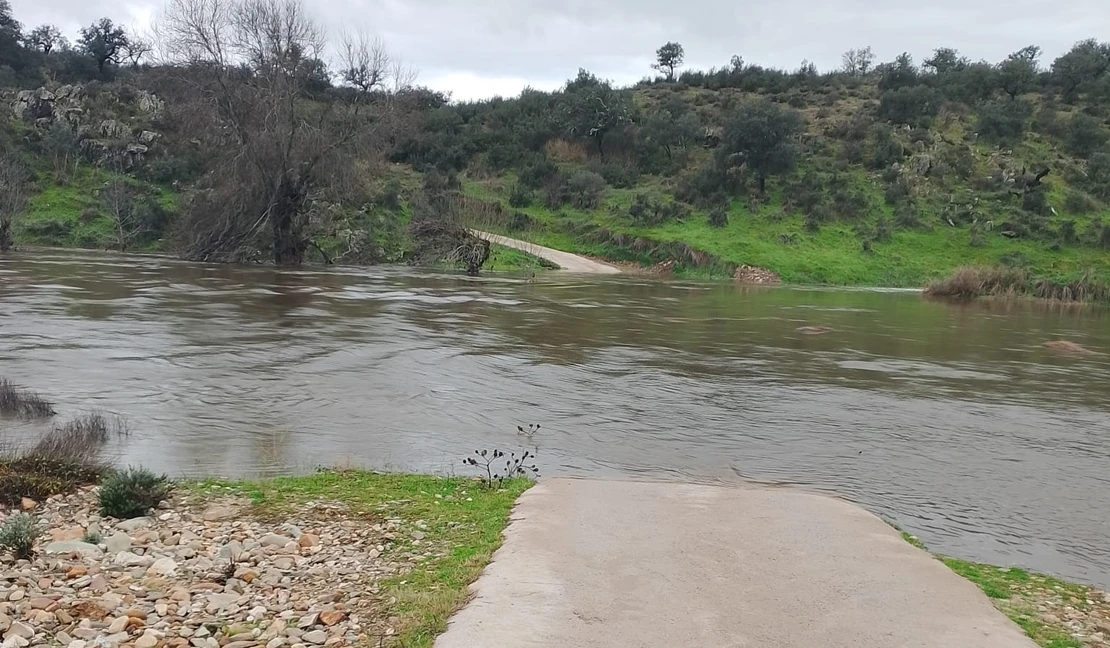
[23, 403]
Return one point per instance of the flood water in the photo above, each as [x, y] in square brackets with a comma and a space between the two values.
[951, 420]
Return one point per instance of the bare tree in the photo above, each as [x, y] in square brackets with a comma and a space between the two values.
[242, 77]
[139, 45]
[13, 197]
[117, 198]
[858, 62]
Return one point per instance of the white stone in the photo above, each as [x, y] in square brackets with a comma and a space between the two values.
[274, 540]
[315, 637]
[134, 524]
[117, 542]
[72, 546]
[163, 567]
[128, 559]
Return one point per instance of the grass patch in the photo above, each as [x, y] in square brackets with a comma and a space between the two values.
[507, 259]
[1053, 613]
[971, 282]
[461, 519]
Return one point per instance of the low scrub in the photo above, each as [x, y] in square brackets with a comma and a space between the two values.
[131, 493]
[23, 403]
[18, 534]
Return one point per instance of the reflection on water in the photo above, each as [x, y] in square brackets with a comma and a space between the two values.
[952, 420]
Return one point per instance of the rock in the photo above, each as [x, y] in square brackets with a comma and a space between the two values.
[135, 524]
[274, 540]
[72, 546]
[148, 137]
[276, 642]
[148, 640]
[63, 616]
[236, 644]
[119, 624]
[128, 559]
[308, 620]
[17, 595]
[417, 535]
[222, 601]
[292, 530]
[179, 594]
[77, 643]
[163, 567]
[284, 562]
[230, 551]
[27, 504]
[40, 603]
[118, 542]
[76, 571]
[14, 641]
[5, 622]
[315, 637]
[332, 617]
[308, 540]
[135, 613]
[90, 610]
[20, 629]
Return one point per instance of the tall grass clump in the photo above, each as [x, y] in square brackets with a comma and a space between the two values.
[64, 459]
[970, 282]
[21, 402]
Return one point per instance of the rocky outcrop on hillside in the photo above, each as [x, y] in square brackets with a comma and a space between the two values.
[101, 139]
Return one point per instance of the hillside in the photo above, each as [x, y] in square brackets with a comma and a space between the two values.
[891, 174]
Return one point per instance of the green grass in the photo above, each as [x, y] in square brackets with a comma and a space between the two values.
[1024, 596]
[72, 214]
[462, 517]
[506, 259]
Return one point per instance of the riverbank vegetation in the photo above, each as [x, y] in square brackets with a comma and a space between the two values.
[971, 282]
[1054, 613]
[884, 173]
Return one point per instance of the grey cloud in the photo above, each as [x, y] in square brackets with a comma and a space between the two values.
[503, 44]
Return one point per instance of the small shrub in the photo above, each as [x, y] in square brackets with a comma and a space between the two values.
[23, 403]
[718, 216]
[19, 533]
[537, 173]
[969, 282]
[884, 230]
[80, 440]
[131, 493]
[620, 174]
[584, 189]
[520, 221]
[92, 536]
[648, 210]
[519, 196]
[1079, 203]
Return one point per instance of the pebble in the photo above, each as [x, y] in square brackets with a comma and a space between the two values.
[315, 637]
[20, 629]
[134, 524]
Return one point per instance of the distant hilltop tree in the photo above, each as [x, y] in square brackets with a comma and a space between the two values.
[669, 58]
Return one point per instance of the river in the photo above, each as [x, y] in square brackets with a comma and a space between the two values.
[951, 420]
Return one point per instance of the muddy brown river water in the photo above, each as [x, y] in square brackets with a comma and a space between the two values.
[954, 421]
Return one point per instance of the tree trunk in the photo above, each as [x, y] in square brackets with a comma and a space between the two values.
[289, 244]
[600, 149]
[762, 185]
[5, 235]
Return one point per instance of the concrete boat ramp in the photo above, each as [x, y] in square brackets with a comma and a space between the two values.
[609, 564]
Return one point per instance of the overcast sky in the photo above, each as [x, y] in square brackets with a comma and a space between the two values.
[479, 48]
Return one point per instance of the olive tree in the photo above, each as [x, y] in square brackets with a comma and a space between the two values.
[668, 58]
[1018, 73]
[104, 41]
[1081, 67]
[46, 39]
[761, 136]
[592, 108]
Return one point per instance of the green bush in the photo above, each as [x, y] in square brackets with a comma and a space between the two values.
[1085, 135]
[1004, 120]
[520, 196]
[131, 493]
[19, 533]
[1079, 203]
[915, 105]
[583, 189]
[718, 216]
[620, 174]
